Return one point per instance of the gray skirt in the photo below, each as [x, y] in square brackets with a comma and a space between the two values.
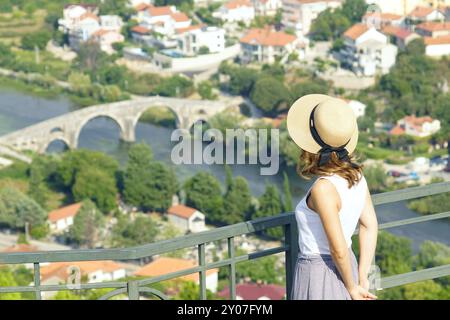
[317, 278]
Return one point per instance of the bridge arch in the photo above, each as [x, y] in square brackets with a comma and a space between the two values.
[119, 122]
[45, 148]
[174, 111]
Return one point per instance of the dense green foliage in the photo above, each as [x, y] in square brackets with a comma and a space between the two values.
[17, 209]
[148, 184]
[87, 224]
[270, 205]
[204, 192]
[127, 233]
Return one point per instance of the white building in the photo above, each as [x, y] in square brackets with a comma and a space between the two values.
[437, 47]
[267, 45]
[359, 108]
[72, 14]
[416, 126]
[381, 20]
[212, 38]
[433, 29]
[111, 22]
[164, 20]
[61, 219]
[424, 14]
[186, 219]
[106, 38]
[298, 15]
[266, 7]
[236, 10]
[165, 265]
[367, 51]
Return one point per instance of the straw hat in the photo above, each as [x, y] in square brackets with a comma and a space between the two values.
[322, 124]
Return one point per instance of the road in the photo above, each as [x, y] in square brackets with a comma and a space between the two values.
[8, 240]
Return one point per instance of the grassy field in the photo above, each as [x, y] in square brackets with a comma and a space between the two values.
[14, 25]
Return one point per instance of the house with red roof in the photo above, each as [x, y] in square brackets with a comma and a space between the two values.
[235, 11]
[61, 219]
[425, 13]
[437, 47]
[164, 265]
[367, 51]
[266, 45]
[433, 29]
[186, 219]
[382, 19]
[255, 291]
[399, 36]
[416, 126]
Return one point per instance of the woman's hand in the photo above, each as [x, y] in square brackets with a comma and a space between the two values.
[364, 282]
[359, 293]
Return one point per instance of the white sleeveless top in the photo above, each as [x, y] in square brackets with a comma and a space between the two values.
[312, 238]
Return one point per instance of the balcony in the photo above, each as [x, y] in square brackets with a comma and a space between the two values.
[133, 288]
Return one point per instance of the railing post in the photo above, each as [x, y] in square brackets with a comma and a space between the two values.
[133, 290]
[37, 281]
[202, 273]
[232, 268]
[291, 242]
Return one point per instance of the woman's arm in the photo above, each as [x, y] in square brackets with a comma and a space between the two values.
[326, 202]
[368, 232]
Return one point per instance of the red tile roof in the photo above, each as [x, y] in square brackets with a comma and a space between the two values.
[421, 12]
[355, 31]
[160, 11]
[181, 211]
[396, 32]
[64, 212]
[267, 37]
[164, 265]
[234, 4]
[194, 27]
[140, 29]
[437, 41]
[434, 26]
[397, 131]
[254, 291]
[179, 17]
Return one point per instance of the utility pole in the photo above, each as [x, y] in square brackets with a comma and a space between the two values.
[36, 55]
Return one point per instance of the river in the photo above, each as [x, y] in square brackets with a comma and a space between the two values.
[18, 110]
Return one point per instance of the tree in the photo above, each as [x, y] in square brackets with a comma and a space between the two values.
[148, 184]
[416, 47]
[203, 192]
[354, 10]
[270, 205]
[203, 50]
[424, 290]
[142, 230]
[175, 86]
[393, 254]
[205, 90]
[7, 280]
[37, 189]
[18, 209]
[96, 185]
[269, 95]
[287, 205]
[329, 25]
[37, 39]
[376, 178]
[86, 226]
[6, 55]
[237, 202]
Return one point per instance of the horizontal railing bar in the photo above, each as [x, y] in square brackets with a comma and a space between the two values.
[404, 222]
[218, 264]
[415, 276]
[59, 287]
[411, 193]
[151, 249]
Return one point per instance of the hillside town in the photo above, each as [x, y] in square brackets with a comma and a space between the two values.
[222, 51]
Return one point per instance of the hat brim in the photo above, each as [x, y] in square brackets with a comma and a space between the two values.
[298, 124]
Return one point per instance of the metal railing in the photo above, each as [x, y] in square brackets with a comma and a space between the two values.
[133, 288]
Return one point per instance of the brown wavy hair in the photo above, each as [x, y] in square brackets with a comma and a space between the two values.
[308, 166]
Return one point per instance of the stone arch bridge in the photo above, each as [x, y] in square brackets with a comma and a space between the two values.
[126, 114]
